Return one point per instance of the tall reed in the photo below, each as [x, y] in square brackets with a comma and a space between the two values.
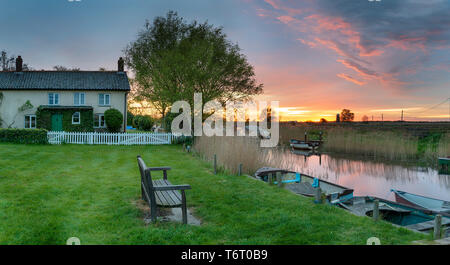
[378, 144]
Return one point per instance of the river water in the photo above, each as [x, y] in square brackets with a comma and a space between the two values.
[368, 177]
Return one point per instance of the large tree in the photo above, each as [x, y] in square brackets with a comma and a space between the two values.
[173, 59]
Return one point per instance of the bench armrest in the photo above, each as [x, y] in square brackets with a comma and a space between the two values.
[158, 168]
[164, 169]
[172, 187]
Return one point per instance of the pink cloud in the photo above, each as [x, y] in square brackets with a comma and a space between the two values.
[350, 79]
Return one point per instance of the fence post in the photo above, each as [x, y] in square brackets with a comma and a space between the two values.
[270, 178]
[240, 170]
[376, 210]
[278, 176]
[437, 226]
[215, 164]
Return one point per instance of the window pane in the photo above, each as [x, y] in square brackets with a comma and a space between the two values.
[76, 98]
[50, 98]
[33, 122]
[101, 99]
[107, 99]
[56, 99]
[27, 122]
[81, 98]
[102, 121]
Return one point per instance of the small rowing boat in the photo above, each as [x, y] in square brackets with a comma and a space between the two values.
[305, 185]
[431, 204]
[301, 145]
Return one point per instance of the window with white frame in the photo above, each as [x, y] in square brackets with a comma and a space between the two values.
[78, 99]
[53, 99]
[99, 121]
[76, 118]
[103, 99]
[30, 121]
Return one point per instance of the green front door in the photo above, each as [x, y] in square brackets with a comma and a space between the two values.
[57, 122]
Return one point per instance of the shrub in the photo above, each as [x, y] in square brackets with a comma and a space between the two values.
[130, 117]
[143, 123]
[114, 120]
[24, 136]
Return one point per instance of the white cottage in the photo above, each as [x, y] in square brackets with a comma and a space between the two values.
[61, 100]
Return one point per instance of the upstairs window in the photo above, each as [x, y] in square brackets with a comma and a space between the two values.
[76, 118]
[78, 99]
[30, 121]
[103, 99]
[53, 99]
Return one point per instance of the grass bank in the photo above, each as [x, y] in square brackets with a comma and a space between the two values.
[50, 193]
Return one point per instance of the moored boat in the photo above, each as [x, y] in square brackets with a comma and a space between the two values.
[304, 145]
[444, 165]
[304, 185]
[431, 204]
[394, 212]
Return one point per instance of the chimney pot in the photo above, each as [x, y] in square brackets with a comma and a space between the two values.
[19, 63]
[120, 65]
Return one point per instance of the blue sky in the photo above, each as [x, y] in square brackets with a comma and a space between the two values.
[315, 57]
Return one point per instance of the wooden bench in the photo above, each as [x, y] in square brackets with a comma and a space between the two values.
[161, 193]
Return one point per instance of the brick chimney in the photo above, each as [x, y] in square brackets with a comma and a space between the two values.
[19, 63]
[120, 65]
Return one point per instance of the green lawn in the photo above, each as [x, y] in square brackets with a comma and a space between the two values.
[50, 193]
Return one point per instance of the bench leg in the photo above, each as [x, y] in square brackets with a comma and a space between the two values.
[153, 211]
[184, 207]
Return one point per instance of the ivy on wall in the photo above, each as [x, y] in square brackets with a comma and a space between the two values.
[44, 119]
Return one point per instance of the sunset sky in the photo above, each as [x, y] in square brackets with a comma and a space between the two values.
[314, 57]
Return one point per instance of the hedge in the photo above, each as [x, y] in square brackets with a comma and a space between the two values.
[24, 136]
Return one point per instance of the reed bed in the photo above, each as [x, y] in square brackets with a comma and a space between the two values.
[377, 144]
[234, 150]
[443, 148]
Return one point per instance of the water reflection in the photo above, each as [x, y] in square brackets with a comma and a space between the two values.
[366, 177]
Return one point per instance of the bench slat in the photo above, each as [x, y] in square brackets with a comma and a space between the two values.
[169, 198]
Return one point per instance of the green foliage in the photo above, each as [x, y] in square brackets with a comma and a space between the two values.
[44, 119]
[1, 101]
[173, 60]
[143, 123]
[26, 106]
[130, 117]
[183, 140]
[114, 120]
[24, 136]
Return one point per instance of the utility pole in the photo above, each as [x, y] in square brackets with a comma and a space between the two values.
[382, 118]
[402, 116]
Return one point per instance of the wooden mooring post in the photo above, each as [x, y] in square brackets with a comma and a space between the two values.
[318, 195]
[376, 210]
[270, 178]
[240, 170]
[437, 226]
[215, 164]
[279, 179]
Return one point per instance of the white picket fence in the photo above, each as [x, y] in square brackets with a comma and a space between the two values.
[110, 138]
